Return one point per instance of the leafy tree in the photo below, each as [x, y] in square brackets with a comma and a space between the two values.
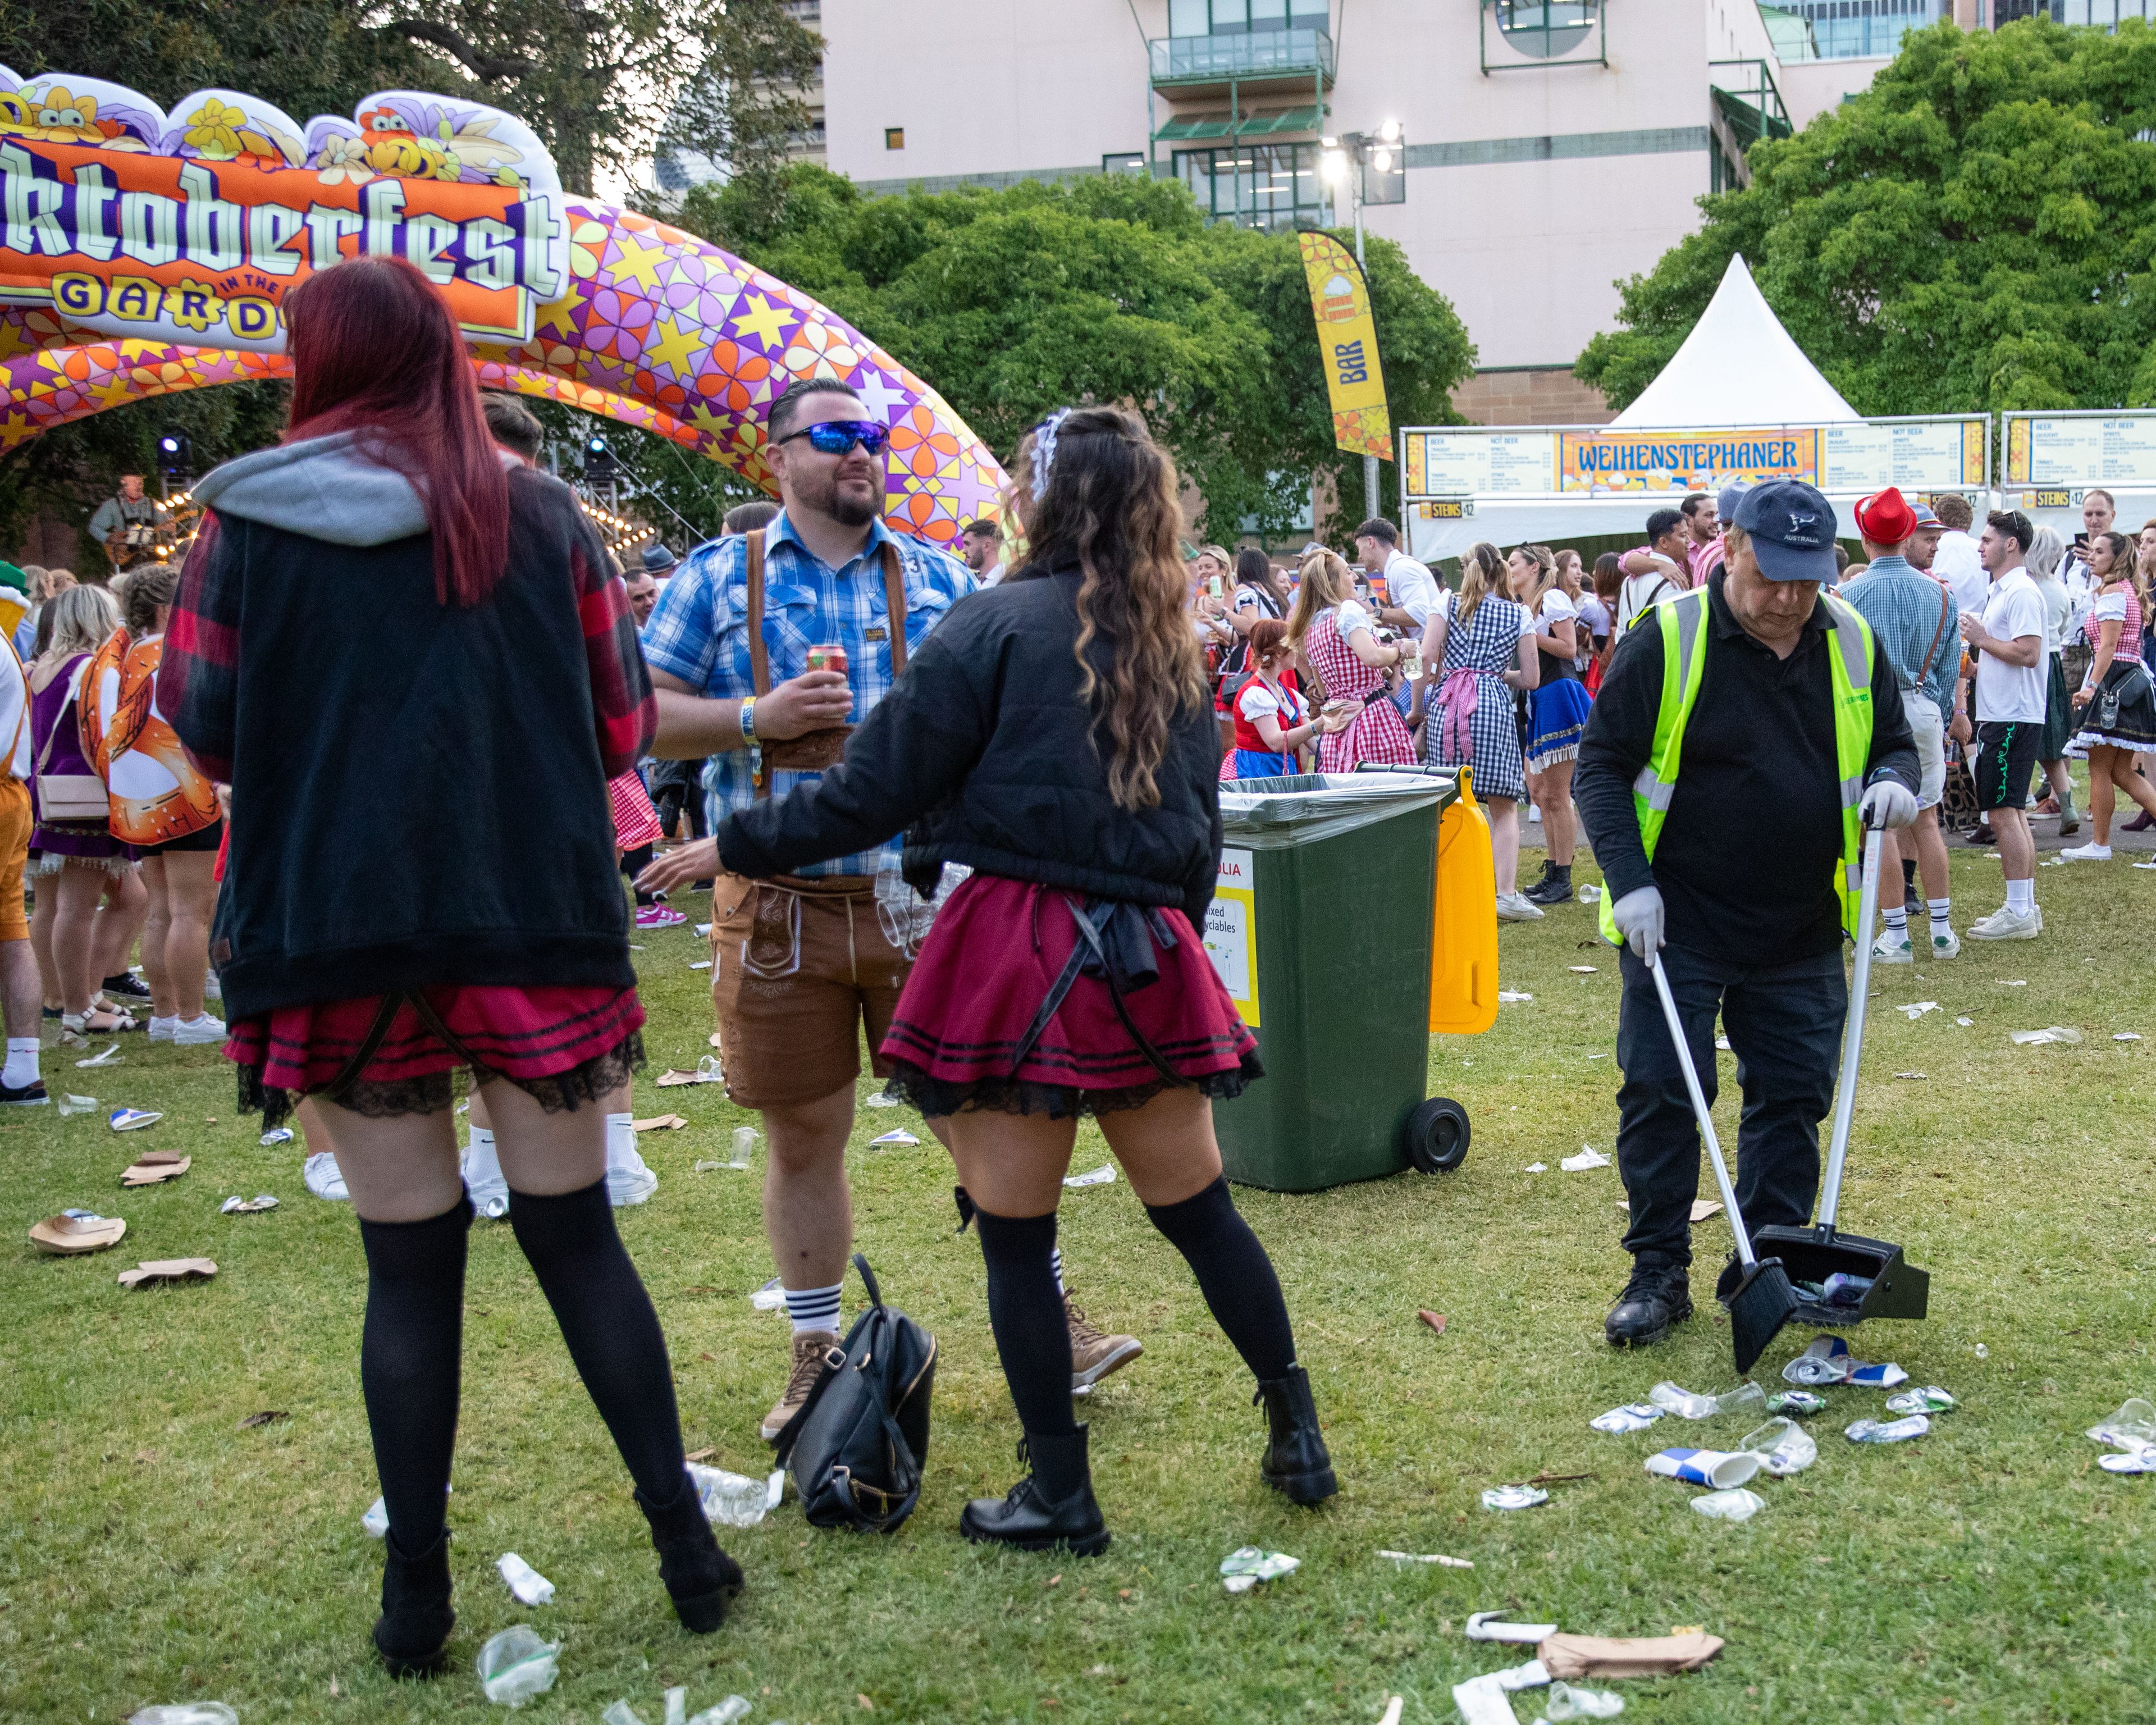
[1112, 287]
[1973, 232]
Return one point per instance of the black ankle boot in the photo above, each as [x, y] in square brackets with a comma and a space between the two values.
[1028, 1519]
[1295, 1460]
[701, 1579]
[413, 1632]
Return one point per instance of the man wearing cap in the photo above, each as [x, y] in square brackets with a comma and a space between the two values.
[1726, 802]
[1912, 620]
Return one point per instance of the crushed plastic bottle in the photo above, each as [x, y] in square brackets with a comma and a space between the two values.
[1736, 1504]
[731, 1499]
[1514, 1496]
[185, 1712]
[1783, 1446]
[1930, 1400]
[516, 1665]
[1633, 1416]
[1689, 1404]
[526, 1583]
[1565, 1702]
[1797, 1401]
[1894, 1431]
[1246, 1566]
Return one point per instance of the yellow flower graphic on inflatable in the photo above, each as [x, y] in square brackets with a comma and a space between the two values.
[60, 118]
[214, 130]
[820, 352]
[586, 245]
[341, 160]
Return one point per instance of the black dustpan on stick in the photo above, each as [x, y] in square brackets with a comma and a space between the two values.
[1764, 1301]
[1898, 1289]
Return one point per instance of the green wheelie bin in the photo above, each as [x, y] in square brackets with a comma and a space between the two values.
[1321, 928]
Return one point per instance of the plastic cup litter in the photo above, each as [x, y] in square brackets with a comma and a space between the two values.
[1689, 1404]
[1783, 1446]
[1564, 1702]
[1734, 1504]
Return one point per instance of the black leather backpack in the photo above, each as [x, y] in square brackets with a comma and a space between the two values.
[857, 1447]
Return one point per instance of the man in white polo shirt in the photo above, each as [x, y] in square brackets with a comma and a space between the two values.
[2007, 643]
[1410, 589]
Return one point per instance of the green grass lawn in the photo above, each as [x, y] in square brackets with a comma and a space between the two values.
[150, 1551]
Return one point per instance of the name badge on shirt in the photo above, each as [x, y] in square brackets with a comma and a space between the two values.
[876, 632]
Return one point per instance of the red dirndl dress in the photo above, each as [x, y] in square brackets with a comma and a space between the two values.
[1378, 733]
[959, 1037]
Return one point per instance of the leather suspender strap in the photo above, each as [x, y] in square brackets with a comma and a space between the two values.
[1924, 671]
[759, 656]
[894, 609]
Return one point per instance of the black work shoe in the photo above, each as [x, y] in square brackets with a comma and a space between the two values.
[1980, 835]
[127, 983]
[1658, 1296]
[1296, 1463]
[1554, 888]
[1026, 1519]
[24, 1095]
[413, 1632]
[700, 1579]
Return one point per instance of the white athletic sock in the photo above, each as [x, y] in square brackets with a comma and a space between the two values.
[1056, 1263]
[813, 1308]
[1939, 907]
[481, 1162]
[22, 1062]
[1898, 920]
[2021, 896]
[621, 1138]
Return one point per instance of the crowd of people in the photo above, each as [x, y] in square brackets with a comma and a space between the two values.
[962, 810]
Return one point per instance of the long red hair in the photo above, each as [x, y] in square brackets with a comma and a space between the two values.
[376, 348]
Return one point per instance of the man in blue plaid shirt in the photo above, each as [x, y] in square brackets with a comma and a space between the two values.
[801, 965]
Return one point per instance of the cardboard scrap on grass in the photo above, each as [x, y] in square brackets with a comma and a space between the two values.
[154, 1166]
[658, 1122]
[168, 1270]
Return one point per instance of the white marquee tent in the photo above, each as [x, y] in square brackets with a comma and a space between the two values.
[1738, 366]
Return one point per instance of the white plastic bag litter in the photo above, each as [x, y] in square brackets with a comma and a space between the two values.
[1566, 1702]
[1734, 1504]
[516, 1665]
[526, 1583]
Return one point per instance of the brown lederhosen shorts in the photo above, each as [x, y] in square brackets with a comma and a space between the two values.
[799, 967]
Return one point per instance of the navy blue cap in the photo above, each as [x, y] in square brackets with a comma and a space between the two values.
[1792, 530]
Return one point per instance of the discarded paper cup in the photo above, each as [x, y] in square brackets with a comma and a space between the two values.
[1718, 1468]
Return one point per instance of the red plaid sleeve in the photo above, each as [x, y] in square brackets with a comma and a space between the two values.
[622, 700]
[198, 677]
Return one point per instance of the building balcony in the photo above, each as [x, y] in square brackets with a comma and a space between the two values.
[1253, 60]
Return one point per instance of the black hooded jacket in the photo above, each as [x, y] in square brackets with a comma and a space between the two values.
[983, 754]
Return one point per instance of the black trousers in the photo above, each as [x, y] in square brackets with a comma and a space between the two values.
[1784, 1024]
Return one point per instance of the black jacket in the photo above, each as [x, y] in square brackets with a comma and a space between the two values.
[983, 754]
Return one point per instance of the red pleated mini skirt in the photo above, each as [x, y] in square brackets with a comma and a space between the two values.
[563, 1045]
[995, 953]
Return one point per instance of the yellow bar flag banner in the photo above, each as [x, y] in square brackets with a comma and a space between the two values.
[1347, 340]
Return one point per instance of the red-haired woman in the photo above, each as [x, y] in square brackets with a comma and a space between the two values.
[399, 648]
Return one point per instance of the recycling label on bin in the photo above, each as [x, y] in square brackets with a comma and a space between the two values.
[1231, 931]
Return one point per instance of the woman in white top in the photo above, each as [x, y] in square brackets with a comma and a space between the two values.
[1333, 632]
[2045, 555]
[2116, 701]
[1557, 715]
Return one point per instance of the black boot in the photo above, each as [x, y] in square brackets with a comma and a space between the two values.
[413, 1632]
[1295, 1461]
[701, 1579]
[1555, 887]
[1028, 1517]
[1658, 1296]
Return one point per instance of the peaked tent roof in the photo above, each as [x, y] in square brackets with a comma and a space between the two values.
[1738, 366]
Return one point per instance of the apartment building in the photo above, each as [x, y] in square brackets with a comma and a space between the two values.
[1549, 147]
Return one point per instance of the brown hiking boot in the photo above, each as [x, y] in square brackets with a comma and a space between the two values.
[809, 1347]
[1093, 1354]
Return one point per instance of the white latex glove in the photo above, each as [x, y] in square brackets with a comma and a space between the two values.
[1638, 918]
[1887, 803]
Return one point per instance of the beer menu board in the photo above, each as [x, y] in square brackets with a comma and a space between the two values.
[2079, 449]
[1922, 455]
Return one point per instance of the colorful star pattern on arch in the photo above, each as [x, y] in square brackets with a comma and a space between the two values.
[658, 330]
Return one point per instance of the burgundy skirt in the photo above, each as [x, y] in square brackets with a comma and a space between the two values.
[562, 1045]
[990, 962]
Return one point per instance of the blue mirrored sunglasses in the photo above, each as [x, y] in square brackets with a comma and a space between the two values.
[837, 437]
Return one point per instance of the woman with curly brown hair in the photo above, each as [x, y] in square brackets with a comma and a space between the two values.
[1055, 735]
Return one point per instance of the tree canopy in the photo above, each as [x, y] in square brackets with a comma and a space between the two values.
[1972, 233]
[1109, 287]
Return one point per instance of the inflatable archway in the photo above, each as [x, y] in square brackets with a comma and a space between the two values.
[142, 253]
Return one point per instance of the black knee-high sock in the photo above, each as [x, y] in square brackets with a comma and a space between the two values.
[635, 863]
[410, 1353]
[1234, 1275]
[1026, 1312]
[606, 1318]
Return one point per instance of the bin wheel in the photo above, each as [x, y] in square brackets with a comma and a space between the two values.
[1437, 1135]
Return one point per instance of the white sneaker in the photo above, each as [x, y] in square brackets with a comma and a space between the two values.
[483, 1179]
[1946, 944]
[1535, 813]
[1891, 949]
[212, 989]
[198, 1032]
[2090, 852]
[162, 1029]
[2008, 925]
[1513, 908]
[324, 1178]
[629, 1181]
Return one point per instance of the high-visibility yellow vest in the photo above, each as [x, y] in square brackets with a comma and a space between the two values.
[1684, 623]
